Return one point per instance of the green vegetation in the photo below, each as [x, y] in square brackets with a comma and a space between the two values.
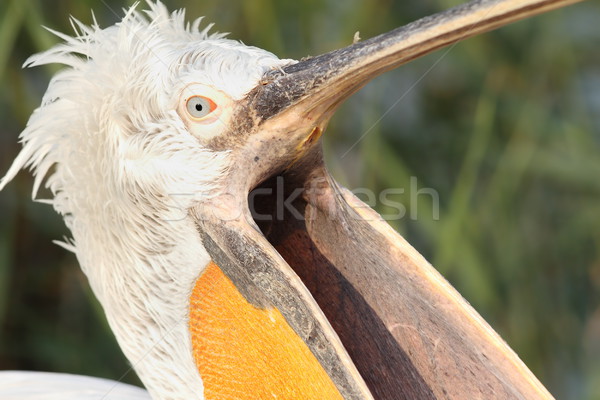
[504, 127]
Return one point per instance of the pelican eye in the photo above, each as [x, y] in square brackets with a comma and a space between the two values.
[199, 107]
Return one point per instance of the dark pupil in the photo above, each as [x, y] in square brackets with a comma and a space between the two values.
[198, 107]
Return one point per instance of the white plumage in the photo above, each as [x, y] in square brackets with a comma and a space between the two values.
[22, 385]
[124, 170]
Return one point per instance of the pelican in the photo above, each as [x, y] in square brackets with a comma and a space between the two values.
[155, 140]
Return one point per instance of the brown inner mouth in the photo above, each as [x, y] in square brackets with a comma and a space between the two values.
[288, 207]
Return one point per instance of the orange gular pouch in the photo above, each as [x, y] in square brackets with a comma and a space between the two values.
[244, 352]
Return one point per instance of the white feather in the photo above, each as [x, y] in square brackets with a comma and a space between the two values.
[26, 385]
[124, 170]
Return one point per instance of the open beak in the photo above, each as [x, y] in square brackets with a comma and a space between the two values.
[379, 320]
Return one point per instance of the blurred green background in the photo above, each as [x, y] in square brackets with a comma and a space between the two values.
[504, 127]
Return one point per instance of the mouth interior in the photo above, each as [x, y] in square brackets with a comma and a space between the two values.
[279, 208]
[318, 248]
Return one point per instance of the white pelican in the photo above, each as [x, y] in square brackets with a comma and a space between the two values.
[152, 139]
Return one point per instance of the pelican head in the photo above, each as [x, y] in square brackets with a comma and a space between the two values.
[147, 127]
[151, 141]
